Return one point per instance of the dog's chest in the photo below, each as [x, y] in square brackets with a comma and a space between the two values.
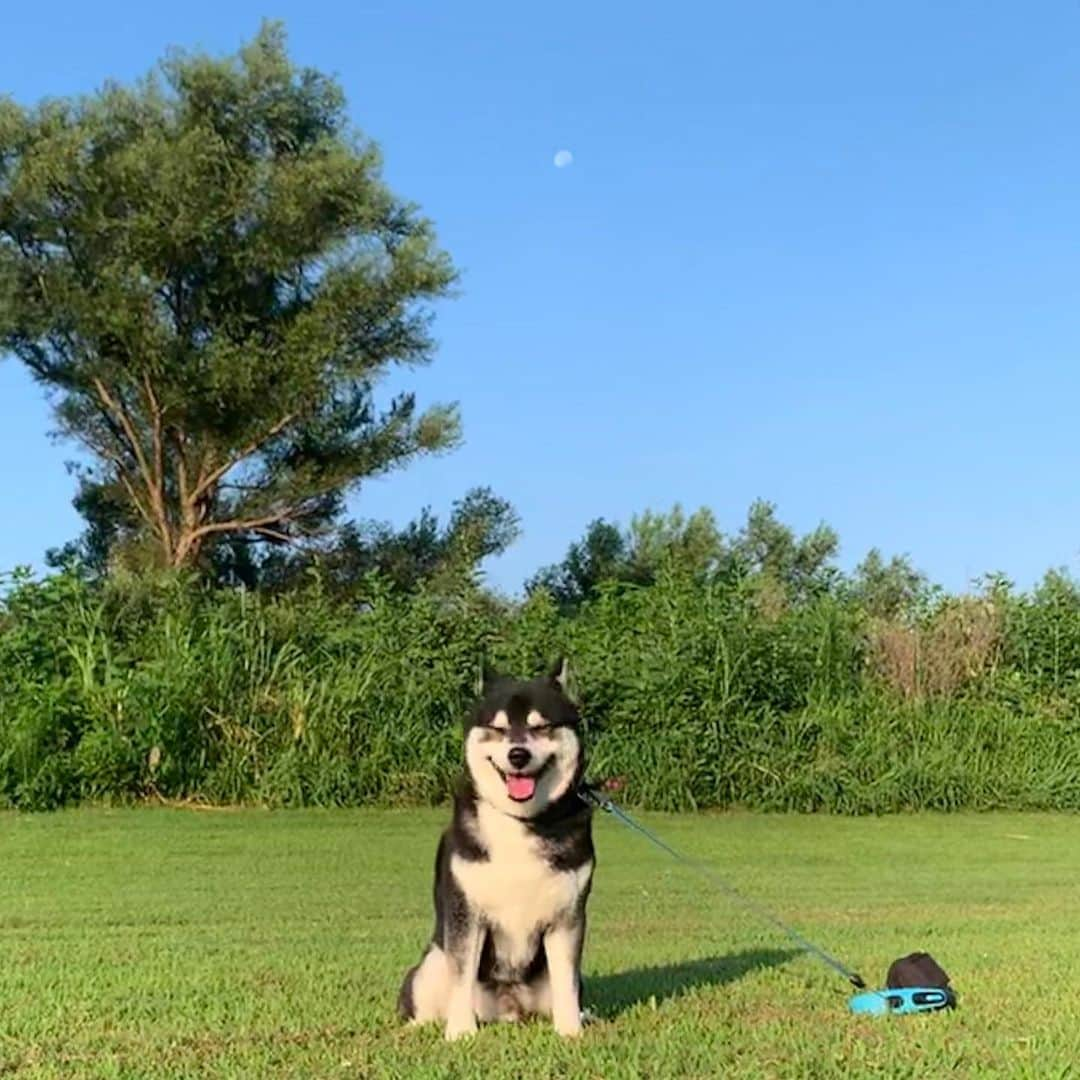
[516, 888]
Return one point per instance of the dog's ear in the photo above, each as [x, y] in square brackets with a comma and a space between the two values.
[559, 676]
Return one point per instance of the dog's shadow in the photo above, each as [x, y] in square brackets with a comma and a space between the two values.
[609, 995]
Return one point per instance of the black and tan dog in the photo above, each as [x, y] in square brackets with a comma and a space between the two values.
[513, 870]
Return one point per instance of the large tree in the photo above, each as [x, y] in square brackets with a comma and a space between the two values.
[210, 277]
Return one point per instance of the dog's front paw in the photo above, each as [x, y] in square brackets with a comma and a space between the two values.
[460, 1028]
[569, 1027]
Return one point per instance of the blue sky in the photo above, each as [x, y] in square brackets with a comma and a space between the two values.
[821, 254]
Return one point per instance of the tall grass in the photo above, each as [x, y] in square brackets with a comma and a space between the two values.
[697, 695]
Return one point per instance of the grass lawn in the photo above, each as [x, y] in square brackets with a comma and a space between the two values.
[172, 943]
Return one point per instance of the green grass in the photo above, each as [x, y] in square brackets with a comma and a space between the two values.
[170, 943]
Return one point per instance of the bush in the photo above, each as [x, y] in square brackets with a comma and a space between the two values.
[716, 694]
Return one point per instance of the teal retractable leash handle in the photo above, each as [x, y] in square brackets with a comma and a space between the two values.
[908, 999]
[903, 999]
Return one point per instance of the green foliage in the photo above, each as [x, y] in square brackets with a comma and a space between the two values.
[789, 567]
[481, 525]
[802, 566]
[653, 542]
[892, 589]
[697, 693]
[693, 544]
[1042, 635]
[209, 275]
[600, 555]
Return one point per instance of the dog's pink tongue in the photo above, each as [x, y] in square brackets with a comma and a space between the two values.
[521, 787]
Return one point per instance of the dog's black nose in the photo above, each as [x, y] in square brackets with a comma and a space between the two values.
[519, 757]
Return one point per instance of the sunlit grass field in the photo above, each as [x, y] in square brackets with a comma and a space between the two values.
[245, 943]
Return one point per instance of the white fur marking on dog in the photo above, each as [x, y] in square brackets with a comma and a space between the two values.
[460, 1007]
[561, 945]
[516, 888]
[431, 987]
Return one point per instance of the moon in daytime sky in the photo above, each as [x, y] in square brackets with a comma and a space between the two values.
[563, 158]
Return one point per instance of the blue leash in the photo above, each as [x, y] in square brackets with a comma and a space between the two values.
[602, 802]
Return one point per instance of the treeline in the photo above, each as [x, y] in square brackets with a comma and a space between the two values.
[713, 673]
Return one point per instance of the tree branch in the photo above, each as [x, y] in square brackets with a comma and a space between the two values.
[242, 524]
[130, 489]
[121, 475]
[156, 428]
[273, 534]
[207, 482]
[159, 518]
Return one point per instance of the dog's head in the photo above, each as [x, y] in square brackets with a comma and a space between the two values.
[522, 744]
